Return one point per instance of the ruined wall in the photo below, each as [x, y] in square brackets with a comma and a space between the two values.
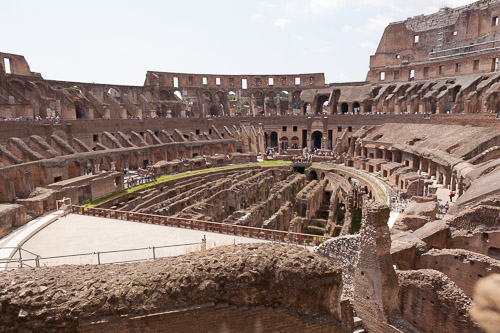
[213, 318]
[431, 295]
[269, 275]
[343, 251]
[11, 216]
[433, 45]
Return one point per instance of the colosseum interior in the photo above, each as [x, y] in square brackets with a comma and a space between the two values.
[358, 207]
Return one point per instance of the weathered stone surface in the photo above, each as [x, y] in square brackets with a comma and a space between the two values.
[11, 215]
[432, 295]
[58, 298]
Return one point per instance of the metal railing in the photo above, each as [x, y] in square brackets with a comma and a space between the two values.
[221, 228]
[29, 259]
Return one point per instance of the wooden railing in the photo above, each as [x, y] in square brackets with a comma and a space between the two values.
[222, 228]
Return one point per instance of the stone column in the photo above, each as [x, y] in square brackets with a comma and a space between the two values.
[375, 282]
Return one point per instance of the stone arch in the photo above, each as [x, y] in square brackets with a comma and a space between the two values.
[316, 138]
[284, 143]
[215, 110]
[258, 98]
[164, 95]
[114, 92]
[284, 101]
[322, 104]
[80, 110]
[274, 139]
[344, 108]
[356, 108]
[73, 169]
[207, 96]
[307, 108]
[312, 175]
[295, 142]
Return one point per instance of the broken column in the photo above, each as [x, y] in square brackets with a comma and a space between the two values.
[376, 284]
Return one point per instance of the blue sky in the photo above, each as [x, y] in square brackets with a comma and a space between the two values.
[118, 41]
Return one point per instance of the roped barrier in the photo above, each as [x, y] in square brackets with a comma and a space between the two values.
[222, 228]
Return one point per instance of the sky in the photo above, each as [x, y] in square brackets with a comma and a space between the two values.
[108, 41]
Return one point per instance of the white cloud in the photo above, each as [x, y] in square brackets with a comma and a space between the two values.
[282, 23]
[377, 23]
[313, 7]
[267, 4]
[412, 8]
[300, 38]
[367, 45]
[346, 28]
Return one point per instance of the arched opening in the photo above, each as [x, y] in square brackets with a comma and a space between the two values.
[356, 107]
[73, 169]
[79, 111]
[274, 139]
[312, 175]
[271, 103]
[296, 102]
[284, 143]
[284, 102]
[295, 142]
[316, 139]
[214, 110]
[178, 95]
[265, 139]
[322, 105]
[344, 108]
[307, 108]
[232, 96]
[164, 95]
[113, 92]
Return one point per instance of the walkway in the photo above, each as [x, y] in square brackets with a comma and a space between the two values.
[88, 235]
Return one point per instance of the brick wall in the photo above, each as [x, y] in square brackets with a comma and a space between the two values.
[212, 318]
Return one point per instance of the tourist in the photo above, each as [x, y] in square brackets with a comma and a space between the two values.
[451, 196]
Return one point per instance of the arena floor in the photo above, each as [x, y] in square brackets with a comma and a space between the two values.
[87, 235]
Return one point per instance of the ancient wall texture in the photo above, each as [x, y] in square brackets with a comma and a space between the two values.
[271, 275]
[453, 41]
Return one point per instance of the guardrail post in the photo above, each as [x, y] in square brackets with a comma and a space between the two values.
[37, 261]
[154, 253]
[98, 258]
[20, 256]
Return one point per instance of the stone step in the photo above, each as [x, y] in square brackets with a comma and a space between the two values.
[357, 322]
